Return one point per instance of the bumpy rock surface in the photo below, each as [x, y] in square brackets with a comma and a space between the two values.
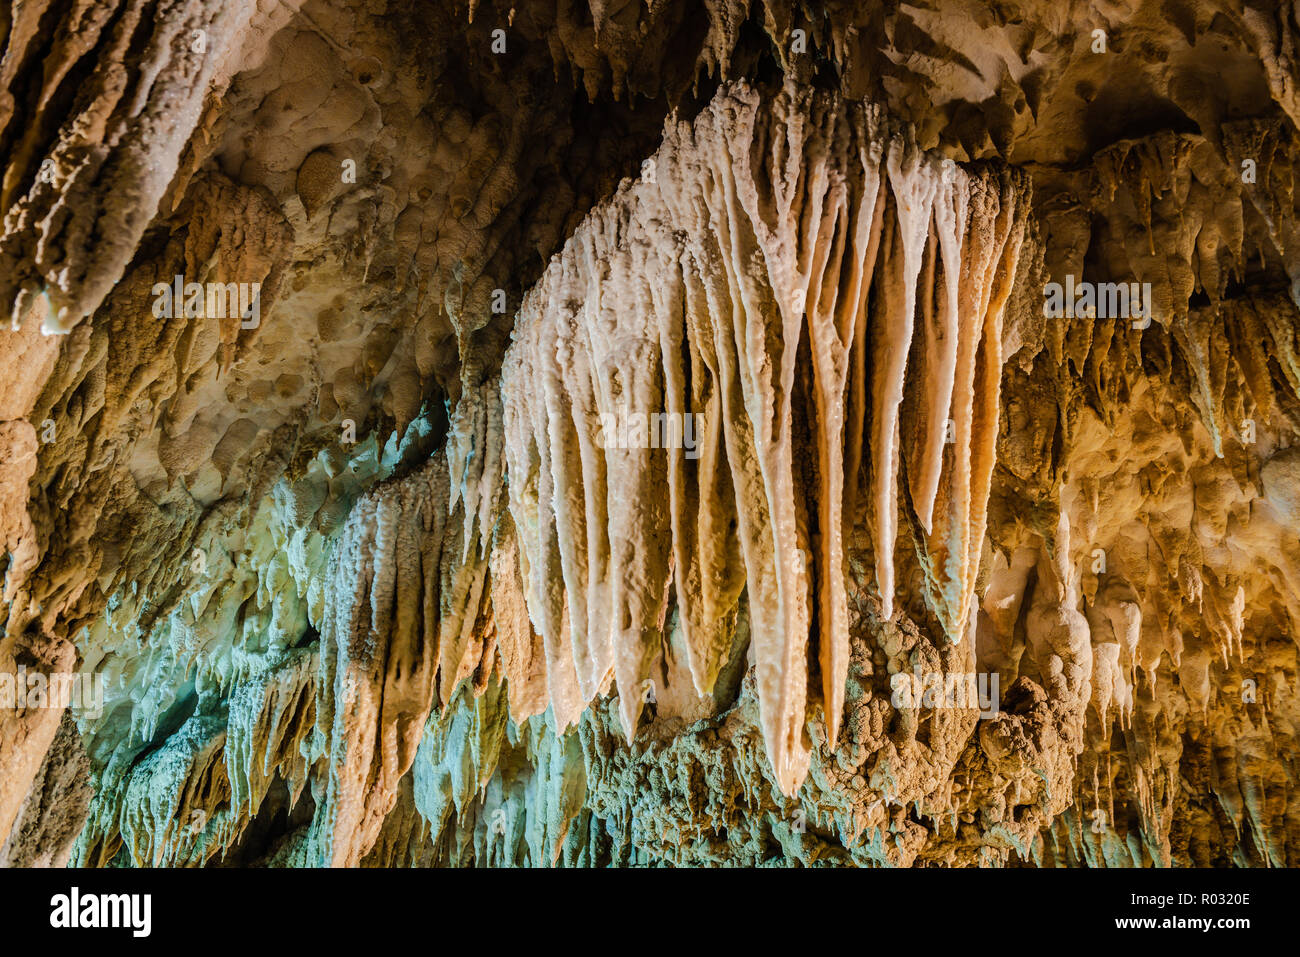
[770, 433]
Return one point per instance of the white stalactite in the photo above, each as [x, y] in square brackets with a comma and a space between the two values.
[690, 293]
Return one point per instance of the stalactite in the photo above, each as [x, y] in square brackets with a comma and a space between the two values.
[689, 295]
[271, 719]
[402, 609]
[783, 422]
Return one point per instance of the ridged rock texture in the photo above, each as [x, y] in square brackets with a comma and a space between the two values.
[717, 433]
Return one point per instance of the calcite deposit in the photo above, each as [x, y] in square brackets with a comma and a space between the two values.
[678, 433]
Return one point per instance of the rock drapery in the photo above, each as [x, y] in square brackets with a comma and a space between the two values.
[638, 399]
[686, 297]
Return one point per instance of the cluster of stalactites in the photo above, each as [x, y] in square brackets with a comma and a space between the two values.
[403, 628]
[662, 402]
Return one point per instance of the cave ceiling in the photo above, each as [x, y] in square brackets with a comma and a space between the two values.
[674, 432]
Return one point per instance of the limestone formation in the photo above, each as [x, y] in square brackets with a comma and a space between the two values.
[537, 434]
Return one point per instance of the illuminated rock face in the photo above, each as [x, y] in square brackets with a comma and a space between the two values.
[698, 437]
[690, 295]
